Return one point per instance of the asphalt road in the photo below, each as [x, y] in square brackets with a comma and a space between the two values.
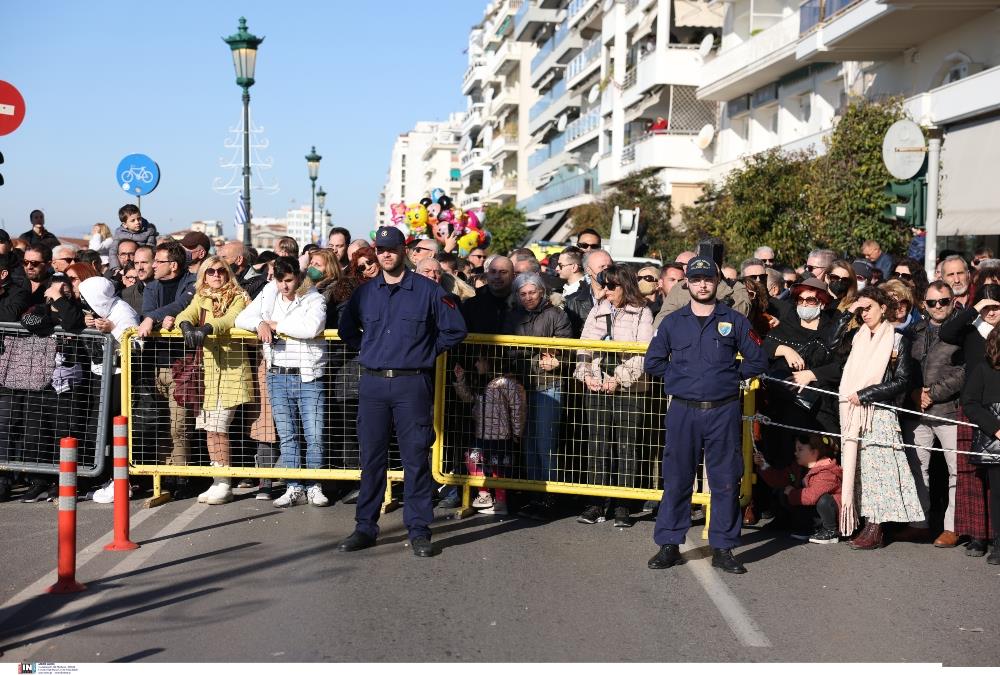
[250, 583]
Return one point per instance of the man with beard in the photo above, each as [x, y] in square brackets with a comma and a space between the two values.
[694, 353]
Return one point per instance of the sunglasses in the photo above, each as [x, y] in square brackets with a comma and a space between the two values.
[33, 263]
[905, 276]
[836, 277]
[66, 259]
[808, 302]
[610, 285]
[379, 250]
[810, 268]
[762, 278]
[648, 277]
[767, 261]
[943, 302]
[587, 246]
[423, 248]
[131, 278]
[215, 272]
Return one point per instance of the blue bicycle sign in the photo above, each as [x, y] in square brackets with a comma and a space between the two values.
[137, 175]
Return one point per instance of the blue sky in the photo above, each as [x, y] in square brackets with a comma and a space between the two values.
[102, 80]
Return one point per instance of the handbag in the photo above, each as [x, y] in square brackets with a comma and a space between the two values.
[27, 362]
[985, 443]
[189, 378]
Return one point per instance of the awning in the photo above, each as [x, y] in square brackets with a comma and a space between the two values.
[698, 13]
[969, 200]
[548, 226]
[645, 26]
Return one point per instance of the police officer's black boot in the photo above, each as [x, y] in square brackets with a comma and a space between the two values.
[724, 560]
[668, 556]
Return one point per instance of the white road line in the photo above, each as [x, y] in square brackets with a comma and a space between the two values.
[133, 561]
[745, 628]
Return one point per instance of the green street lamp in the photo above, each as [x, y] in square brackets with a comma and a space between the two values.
[312, 164]
[244, 47]
[321, 202]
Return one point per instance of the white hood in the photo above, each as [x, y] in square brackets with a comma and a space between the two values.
[100, 295]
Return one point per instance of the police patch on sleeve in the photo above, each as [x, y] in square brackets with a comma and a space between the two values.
[725, 328]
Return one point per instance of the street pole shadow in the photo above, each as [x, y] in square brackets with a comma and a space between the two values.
[138, 656]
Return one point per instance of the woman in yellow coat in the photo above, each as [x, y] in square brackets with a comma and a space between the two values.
[228, 381]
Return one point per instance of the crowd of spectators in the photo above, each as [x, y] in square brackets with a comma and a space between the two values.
[878, 418]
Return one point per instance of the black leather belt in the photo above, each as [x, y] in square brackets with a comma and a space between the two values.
[282, 370]
[705, 405]
[391, 372]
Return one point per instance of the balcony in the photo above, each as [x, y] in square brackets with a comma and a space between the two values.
[552, 149]
[530, 18]
[470, 201]
[474, 76]
[504, 60]
[678, 64]
[503, 143]
[473, 118]
[506, 98]
[502, 187]
[554, 53]
[578, 9]
[582, 129]
[862, 30]
[973, 95]
[760, 59]
[472, 160]
[537, 115]
[585, 62]
[582, 185]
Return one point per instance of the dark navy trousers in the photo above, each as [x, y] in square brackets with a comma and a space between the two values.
[688, 431]
[407, 402]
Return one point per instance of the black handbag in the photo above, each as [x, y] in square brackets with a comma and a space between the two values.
[983, 443]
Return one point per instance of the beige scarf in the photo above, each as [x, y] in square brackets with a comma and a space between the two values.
[870, 354]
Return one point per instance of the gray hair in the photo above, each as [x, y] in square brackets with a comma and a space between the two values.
[953, 258]
[749, 262]
[825, 254]
[589, 254]
[763, 249]
[527, 279]
[72, 248]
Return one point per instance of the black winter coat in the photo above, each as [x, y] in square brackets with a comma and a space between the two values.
[897, 381]
[939, 369]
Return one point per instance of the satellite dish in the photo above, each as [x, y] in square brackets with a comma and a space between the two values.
[595, 159]
[903, 149]
[705, 136]
[561, 124]
[707, 43]
[608, 4]
[594, 94]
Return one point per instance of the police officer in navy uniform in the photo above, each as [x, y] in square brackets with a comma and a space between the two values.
[399, 322]
[694, 351]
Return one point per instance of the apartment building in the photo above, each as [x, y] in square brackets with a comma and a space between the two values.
[493, 151]
[785, 69]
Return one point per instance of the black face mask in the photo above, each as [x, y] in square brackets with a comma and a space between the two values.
[840, 287]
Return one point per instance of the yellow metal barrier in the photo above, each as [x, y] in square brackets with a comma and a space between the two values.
[493, 430]
[145, 364]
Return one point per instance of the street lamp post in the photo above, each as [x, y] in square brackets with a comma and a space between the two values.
[321, 202]
[244, 46]
[312, 163]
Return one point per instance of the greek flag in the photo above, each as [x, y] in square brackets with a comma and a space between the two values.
[241, 219]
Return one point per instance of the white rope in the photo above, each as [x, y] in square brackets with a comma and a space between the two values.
[874, 403]
[765, 420]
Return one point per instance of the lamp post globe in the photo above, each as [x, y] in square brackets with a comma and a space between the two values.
[321, 203]
[312, 164]
[243, 45]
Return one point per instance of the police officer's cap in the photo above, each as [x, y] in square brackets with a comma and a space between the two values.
[700, 266]
[389, 237]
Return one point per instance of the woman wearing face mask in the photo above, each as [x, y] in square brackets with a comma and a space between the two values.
[968, 328]
[322, 273]
[878, 483]
[797, 353]
[843, 284]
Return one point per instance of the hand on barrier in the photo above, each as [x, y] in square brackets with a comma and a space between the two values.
[265, 331]
[168, 322]
[145, 328]
[104, 325]
[195, 337]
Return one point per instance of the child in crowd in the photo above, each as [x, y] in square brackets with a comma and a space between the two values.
[499, 412]
[133, 226]
[808, 492]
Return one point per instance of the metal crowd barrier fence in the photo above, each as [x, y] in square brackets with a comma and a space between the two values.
[52, 387]
[559, 416]
[167, 438]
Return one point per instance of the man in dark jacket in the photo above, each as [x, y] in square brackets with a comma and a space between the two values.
[487, 312]
[38, 234]
[938, 387]
[14, 294]
[252, 281]
[579, 304]
[143, 262]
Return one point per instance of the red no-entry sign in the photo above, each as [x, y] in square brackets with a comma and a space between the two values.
[11, 108]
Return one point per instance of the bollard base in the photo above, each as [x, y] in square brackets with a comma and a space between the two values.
[66, 586]
[121, 546]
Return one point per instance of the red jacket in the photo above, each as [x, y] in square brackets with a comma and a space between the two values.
[824, 478]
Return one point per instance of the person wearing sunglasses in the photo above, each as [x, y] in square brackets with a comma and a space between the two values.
[765, 254]
[420, 249]
[817, 263]
[694, 353]
[905, 315]
[477, 257]
[218, 300]
[935, 392]
[614, 382]
[36, 263]
[364, 265]
[588, 240]
[570, 270]
[579, 304]
[912, 273]
[649, 285]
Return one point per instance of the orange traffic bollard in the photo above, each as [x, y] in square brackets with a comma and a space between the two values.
[67, 582]
[121, 541]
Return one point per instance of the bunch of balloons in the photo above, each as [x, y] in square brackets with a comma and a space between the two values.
[437, 216]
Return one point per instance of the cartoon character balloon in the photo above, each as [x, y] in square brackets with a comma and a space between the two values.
[416, 217]
[436, 195]
[398, 212]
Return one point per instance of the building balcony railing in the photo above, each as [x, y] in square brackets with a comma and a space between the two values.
[583, 126]
[754, 62]
[574, 186]
[553, 95]
[551, 149]
[591, 52]
[814, 12]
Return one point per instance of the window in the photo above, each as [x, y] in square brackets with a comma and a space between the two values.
[403, 179]
[403, 160]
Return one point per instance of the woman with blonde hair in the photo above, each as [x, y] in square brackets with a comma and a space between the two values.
[217, 301]
[100, 240]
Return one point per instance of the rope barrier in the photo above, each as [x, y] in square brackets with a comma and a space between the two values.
[800, 387]
[765, 420]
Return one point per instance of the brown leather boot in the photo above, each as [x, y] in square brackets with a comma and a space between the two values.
[862, 534]
[873, 540]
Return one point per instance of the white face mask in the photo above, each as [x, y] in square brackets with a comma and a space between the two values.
[808, 313]
[861, 285]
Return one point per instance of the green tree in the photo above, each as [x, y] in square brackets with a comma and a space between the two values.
[642, 189]
[505, 223]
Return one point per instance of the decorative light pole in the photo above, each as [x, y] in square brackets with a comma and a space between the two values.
[321, 202]
[312, 163]
[244, 45]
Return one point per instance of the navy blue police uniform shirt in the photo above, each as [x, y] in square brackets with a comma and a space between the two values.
[699, 363]
[404, 325]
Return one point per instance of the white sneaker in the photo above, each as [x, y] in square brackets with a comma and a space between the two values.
[294, 496]
[220, 493]
[483, 501]
[105, 494]
[498, 509]
[203, 497]
[315, 495]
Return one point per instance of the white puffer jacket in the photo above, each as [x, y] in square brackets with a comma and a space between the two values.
[299, 343]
